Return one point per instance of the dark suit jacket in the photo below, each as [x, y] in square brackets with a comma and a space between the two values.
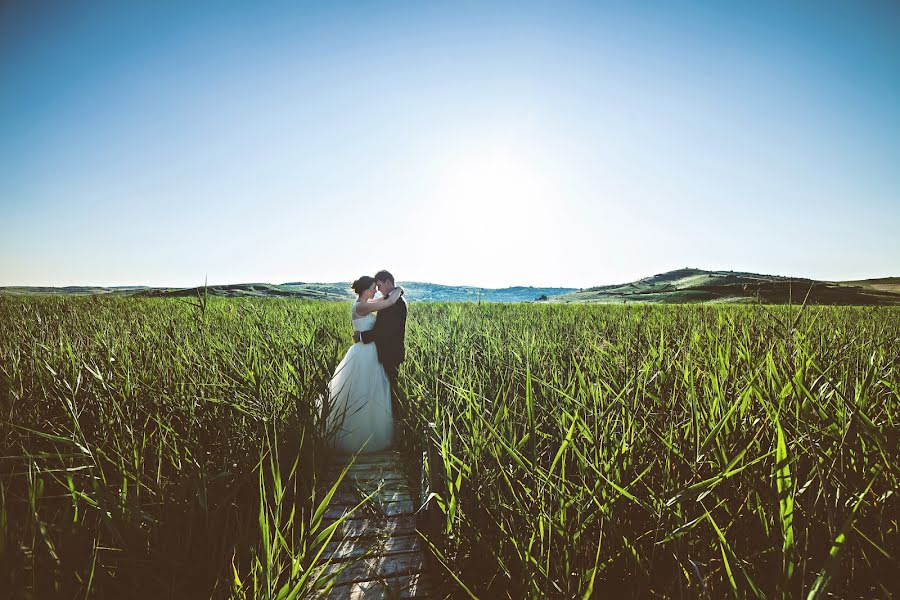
[390, 333]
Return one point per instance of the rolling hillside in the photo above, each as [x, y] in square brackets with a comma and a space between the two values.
[416, 291]
[673, 287]
[698, 285]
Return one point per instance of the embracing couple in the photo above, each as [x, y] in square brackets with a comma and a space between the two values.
[363, 391]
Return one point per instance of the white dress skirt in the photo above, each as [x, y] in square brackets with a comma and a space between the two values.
[359, 415]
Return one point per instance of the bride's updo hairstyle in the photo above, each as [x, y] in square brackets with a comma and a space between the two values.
[362, 284]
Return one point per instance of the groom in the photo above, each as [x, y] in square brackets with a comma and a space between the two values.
[389, 334]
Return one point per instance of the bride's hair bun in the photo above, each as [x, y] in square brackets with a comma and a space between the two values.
[362, 284]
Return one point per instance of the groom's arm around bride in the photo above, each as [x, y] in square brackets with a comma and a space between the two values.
[388, 334]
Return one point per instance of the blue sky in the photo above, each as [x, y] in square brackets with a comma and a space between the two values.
[461, 143]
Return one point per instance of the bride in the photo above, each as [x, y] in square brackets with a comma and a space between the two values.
[359, 413]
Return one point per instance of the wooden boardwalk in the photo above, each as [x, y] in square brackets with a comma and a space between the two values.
[376, 551]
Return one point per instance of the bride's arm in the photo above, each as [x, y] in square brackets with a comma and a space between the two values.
[366, 308]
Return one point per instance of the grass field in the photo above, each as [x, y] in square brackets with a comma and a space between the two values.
[172, 447]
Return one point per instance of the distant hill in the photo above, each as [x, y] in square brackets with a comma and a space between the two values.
[698, 285]
[884, 284]
[244, 290]
[433, 292]
[672, 287]
[73, 290]
[415, 291]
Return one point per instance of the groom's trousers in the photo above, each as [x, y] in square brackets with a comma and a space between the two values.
[396, 404]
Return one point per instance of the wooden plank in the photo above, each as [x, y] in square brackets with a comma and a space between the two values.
[336, 511]
[367, 479]
[360, 527]
[384, 497]
[386, 465]
[375, 469]
[372, 460]
[356, 547]
[389, 509]
[366, 569]
[379, 495]
[388, 451]
[404, 586]
[366, 474]
[393, 509]
[345, 496]
[389, 485]
[381, 461]
[376, 457]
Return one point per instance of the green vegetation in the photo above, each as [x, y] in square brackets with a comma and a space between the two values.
[884, 284]
[665, 450]
[682, 286]
[605, 451]
[163, 446]
[699, 286]
[425, 292]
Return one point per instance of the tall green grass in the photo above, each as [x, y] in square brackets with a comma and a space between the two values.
[578, 451]
[163, 448]
[660, 451]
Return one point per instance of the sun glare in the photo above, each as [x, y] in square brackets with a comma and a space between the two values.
[497, 192]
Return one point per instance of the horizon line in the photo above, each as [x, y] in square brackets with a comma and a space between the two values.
[410, 281]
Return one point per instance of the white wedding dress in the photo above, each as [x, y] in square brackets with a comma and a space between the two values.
[360, 396]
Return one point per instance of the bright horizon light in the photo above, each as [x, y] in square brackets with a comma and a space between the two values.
[565, 144]
[498, 196]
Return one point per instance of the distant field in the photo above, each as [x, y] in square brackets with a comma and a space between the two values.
[625, 451]
[884, 284]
